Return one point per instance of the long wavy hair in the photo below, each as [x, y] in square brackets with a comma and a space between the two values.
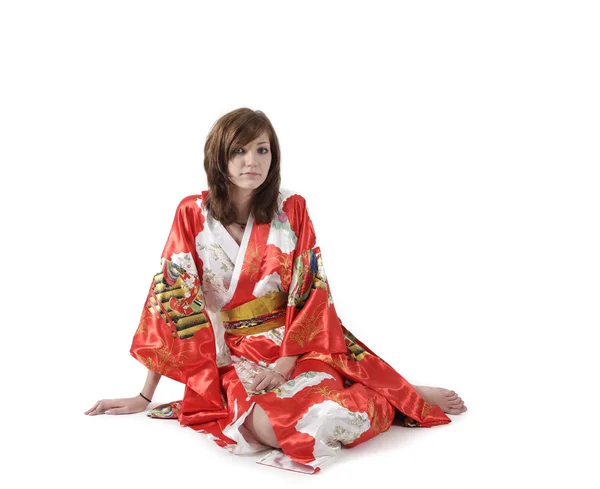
[234, 129]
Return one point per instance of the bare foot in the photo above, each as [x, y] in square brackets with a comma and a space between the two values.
[447, 400]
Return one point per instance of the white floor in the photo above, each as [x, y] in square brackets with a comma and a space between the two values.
[486, 447]
[449, 155]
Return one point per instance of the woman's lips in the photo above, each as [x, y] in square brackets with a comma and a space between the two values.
[252, 174]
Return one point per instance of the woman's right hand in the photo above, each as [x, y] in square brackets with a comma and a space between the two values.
[267, 380]
[128, 405]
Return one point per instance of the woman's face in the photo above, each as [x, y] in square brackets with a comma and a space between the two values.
[249, 166]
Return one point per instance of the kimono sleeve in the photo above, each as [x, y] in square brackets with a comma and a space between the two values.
[174, 337]
[312, 324]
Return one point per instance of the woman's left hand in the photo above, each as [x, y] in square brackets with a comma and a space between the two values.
[267, 380]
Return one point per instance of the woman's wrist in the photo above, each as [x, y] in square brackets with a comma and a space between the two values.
[285, 377]
[285, 366]
[147, 391]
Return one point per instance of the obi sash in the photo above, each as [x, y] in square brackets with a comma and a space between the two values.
[256, 316]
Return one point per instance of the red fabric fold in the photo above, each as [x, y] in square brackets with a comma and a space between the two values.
[176, 338]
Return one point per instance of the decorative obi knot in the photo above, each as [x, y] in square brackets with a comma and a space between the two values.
[256, 316]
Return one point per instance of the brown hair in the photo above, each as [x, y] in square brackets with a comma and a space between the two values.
[238, 128]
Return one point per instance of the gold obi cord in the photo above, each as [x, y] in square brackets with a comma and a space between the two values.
[256, 316]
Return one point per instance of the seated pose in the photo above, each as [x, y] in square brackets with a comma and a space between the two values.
[240, 311]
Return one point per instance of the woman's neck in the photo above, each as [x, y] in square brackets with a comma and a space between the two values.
[242, 200]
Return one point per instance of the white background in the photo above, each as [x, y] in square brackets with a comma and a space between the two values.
[448, 152]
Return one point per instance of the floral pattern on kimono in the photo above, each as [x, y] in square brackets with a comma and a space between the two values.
[340, 392]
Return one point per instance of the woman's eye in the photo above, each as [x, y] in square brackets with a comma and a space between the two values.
[241, 150]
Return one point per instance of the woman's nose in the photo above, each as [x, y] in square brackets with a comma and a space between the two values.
[251, 159]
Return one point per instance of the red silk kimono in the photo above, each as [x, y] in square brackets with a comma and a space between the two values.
[218, 313]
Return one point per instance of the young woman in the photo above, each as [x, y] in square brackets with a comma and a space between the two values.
[240, 312]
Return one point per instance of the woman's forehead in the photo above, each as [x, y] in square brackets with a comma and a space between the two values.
[261, 138]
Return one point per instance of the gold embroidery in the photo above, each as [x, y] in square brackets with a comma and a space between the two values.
[328, 393]
[167, 359]
[316, 355]
[285, 267]
[426, 409]
[252, 262]
[307, 327]
[335, 361]
[143, 324]
[345, 366]
[378, 423]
